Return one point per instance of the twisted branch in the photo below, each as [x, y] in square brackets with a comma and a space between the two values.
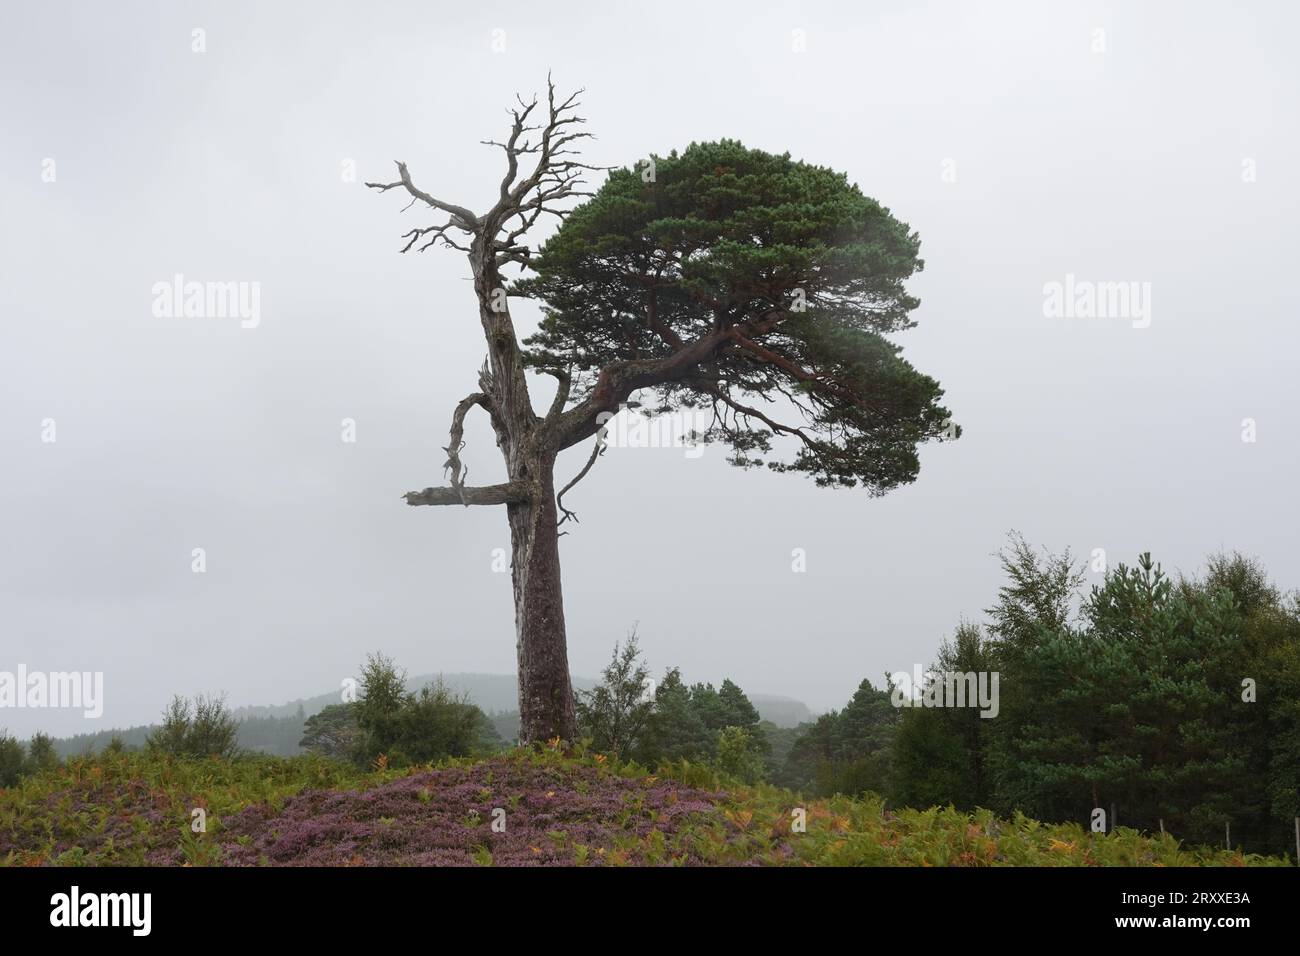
[453, 464]
[596, 452]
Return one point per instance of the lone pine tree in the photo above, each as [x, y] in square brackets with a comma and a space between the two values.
[720, 278]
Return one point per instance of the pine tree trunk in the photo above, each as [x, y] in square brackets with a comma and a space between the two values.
[545, 694]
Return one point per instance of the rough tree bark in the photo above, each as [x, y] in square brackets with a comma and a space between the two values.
[545, 694]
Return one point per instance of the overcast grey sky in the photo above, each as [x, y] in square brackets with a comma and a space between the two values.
[1022, 144]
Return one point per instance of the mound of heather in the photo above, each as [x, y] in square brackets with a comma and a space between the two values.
[132, 809]
[545, 815]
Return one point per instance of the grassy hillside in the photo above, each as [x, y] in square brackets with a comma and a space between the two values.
[131, 809]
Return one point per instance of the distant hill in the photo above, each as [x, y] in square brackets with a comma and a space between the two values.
[276, 729]
[782, 711]
[499, 693]
[490, 692]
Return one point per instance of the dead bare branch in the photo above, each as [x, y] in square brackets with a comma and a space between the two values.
[461, 217]
[596, 452]
[509, 493]
[551, 179]
[453, 464]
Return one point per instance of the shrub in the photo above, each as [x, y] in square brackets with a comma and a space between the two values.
[12, 759]
[615, 714]
[739, 755]
[438, 723]
[208, 731]
[408, 728]
[333, 732]
[41, 754]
